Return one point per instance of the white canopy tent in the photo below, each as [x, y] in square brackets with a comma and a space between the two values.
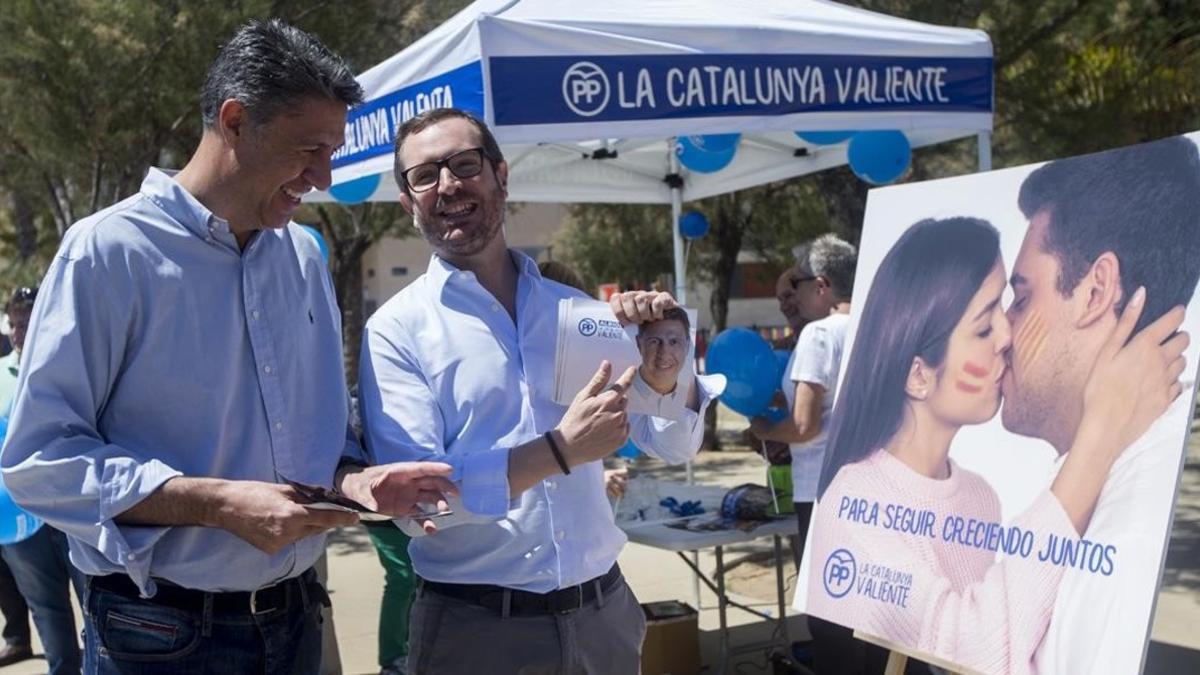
[586, 98]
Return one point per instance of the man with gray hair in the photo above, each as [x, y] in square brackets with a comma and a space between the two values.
[822, 280]
[183, 363]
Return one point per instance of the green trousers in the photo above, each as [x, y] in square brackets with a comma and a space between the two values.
[399, 583]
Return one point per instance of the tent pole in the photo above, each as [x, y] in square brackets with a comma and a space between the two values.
[676, 237]
[984, 140]
[681, 297]
[677, 246]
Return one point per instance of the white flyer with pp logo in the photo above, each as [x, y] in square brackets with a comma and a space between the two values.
[589, 333]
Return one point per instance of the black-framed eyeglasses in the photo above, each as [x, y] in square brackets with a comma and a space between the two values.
[796, 281]
[463, 164]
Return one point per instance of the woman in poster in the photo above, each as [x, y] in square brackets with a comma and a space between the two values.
[908, 546]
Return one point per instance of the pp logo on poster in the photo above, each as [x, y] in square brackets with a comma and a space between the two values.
[839, 573]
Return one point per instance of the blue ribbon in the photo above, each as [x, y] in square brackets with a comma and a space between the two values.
[688, 508]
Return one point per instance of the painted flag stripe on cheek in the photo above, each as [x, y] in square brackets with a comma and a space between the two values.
[1029, 341]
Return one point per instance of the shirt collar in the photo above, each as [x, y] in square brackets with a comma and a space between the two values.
[161, 187]
[441, 272]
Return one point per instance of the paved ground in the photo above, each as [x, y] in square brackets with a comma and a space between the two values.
[356, 579]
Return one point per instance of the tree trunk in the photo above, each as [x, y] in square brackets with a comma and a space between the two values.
[728, 229]
[347, 245]
[845, 200]
[348, 284]
[25, 226]
[727, 233]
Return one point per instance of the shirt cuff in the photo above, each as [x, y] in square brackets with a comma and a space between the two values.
[485, 482]
[124, 485]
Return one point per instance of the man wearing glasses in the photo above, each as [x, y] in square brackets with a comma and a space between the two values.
[459, 367]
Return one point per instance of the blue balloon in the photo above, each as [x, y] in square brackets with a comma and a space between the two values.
[879, 157]
[629, 451]
[15, 524]
[355, 191]
[715, 142]
[701, 160]
[693, 225]
[316, 234]
[750, 368]
[824, 137]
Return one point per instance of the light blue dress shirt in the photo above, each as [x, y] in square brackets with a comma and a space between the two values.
[446, 374]
[158, 349]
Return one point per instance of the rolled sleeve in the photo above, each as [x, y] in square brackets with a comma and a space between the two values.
[402, 422]
[485, 482]
[56, 463]
[124, 485]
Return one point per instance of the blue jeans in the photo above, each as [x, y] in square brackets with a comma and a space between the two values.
[125, 635]
[44, 576]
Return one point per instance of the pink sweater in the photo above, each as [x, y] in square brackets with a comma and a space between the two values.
[965, 604]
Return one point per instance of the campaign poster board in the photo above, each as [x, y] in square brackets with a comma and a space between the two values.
[973, 555]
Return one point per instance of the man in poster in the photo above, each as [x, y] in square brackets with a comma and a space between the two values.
[1099, 229]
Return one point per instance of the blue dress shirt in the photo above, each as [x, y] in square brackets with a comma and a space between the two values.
[446, 374]
[158, 349]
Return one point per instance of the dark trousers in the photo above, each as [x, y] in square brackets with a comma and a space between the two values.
[125, 634]
[14, 609]
[454, 637]
[803, 516]
[44, 573]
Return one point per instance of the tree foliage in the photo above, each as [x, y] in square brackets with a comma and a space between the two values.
[94, 92]
[627, 244]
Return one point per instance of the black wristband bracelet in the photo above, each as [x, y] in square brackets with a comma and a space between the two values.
[558, 456]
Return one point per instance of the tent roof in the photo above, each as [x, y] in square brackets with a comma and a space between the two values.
[506, 59]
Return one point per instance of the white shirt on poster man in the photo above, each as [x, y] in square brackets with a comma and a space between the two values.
[1101, 623]
[816, 359]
